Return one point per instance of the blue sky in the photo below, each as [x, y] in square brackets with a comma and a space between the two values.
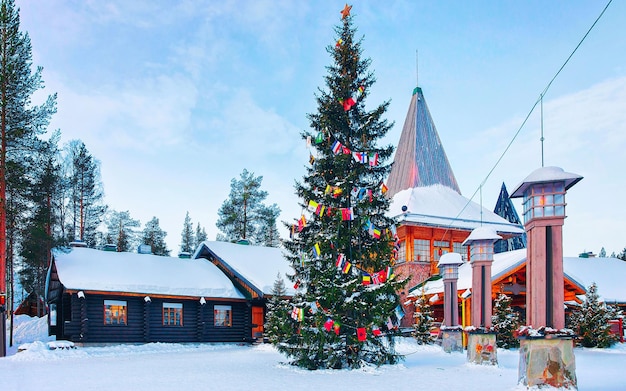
[176, 98]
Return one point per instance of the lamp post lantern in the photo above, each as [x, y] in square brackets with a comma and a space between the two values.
[543, 193]
[545, 358]
[481, 242]
[449, 268]
[481, 339]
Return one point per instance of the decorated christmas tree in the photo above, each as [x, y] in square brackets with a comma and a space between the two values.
[345, 312]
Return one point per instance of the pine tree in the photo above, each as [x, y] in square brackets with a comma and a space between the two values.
[423, 321]
[120, 230]
[20, 124]
[239, 217]
[602, 253]
[340, 311]
[268, 232]
[591, 321]
[275, 328]
[85, 194]
[37, 236]
[622, 255]
[154, 236]
[186, 237]
[505, 321]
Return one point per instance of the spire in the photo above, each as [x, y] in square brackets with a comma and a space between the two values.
[505, 209]
[420, 160]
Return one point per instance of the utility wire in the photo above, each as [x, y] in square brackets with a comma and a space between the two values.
[532, 109]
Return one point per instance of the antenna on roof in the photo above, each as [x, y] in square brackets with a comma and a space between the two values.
[417, 84]
[541, 139]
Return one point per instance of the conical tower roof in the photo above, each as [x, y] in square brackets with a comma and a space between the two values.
[420, 159]
[505, 209]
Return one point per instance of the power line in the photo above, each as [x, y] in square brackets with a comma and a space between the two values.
[532, 109]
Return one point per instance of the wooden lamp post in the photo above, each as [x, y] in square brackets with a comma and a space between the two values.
[451, 331]
[543, 193]
[481, 341]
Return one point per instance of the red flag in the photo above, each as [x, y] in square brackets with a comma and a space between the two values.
[328, 325]
[348, 103]
[361, 334]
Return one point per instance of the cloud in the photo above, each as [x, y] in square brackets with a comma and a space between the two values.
[136, 114]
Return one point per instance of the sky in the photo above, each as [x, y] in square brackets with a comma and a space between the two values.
[160, 366]
[177, 98]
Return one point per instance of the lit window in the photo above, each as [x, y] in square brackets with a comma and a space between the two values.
[172, 314]
[421, 250]
[223, 316]
[544, 200]
[115, 312]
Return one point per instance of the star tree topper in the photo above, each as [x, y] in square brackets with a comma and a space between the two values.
[345, 12]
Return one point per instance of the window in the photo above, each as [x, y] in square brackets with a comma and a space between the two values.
[421, 250]
[459, 248]
[544, 200]
[172, 314]
[222, 316]
[52, 315]
[402, 252]
[115, 312]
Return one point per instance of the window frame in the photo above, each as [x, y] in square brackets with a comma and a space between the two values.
[225, 320]
[172, 314]
[121, 315]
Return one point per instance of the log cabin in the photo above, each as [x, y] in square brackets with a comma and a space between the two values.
[116, 297]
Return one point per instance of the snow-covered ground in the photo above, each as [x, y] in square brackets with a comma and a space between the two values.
[241, 367]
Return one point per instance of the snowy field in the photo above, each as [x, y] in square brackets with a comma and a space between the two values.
[234, 367]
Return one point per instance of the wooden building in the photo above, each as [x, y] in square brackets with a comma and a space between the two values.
[433, 217]
[108, 297]
[253, 270]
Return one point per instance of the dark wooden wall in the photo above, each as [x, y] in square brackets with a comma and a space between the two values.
[83, 321]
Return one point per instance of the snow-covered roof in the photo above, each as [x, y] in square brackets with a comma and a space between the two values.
[607, 273]
[502, 263]
[89, 269]
[441, 206]
[258, 265]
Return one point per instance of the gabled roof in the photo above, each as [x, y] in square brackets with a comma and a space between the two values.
[420, 159]
[440, 206]
[94, 270]
[256, 266]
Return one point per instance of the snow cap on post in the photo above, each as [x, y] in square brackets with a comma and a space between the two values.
[482, 233]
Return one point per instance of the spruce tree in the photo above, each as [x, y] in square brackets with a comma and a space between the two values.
[276, 328]
[186, 237]
[341, 248]
[154, 236]
[423, 321]
[505, 321]
[591, 321]
[201, 235]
